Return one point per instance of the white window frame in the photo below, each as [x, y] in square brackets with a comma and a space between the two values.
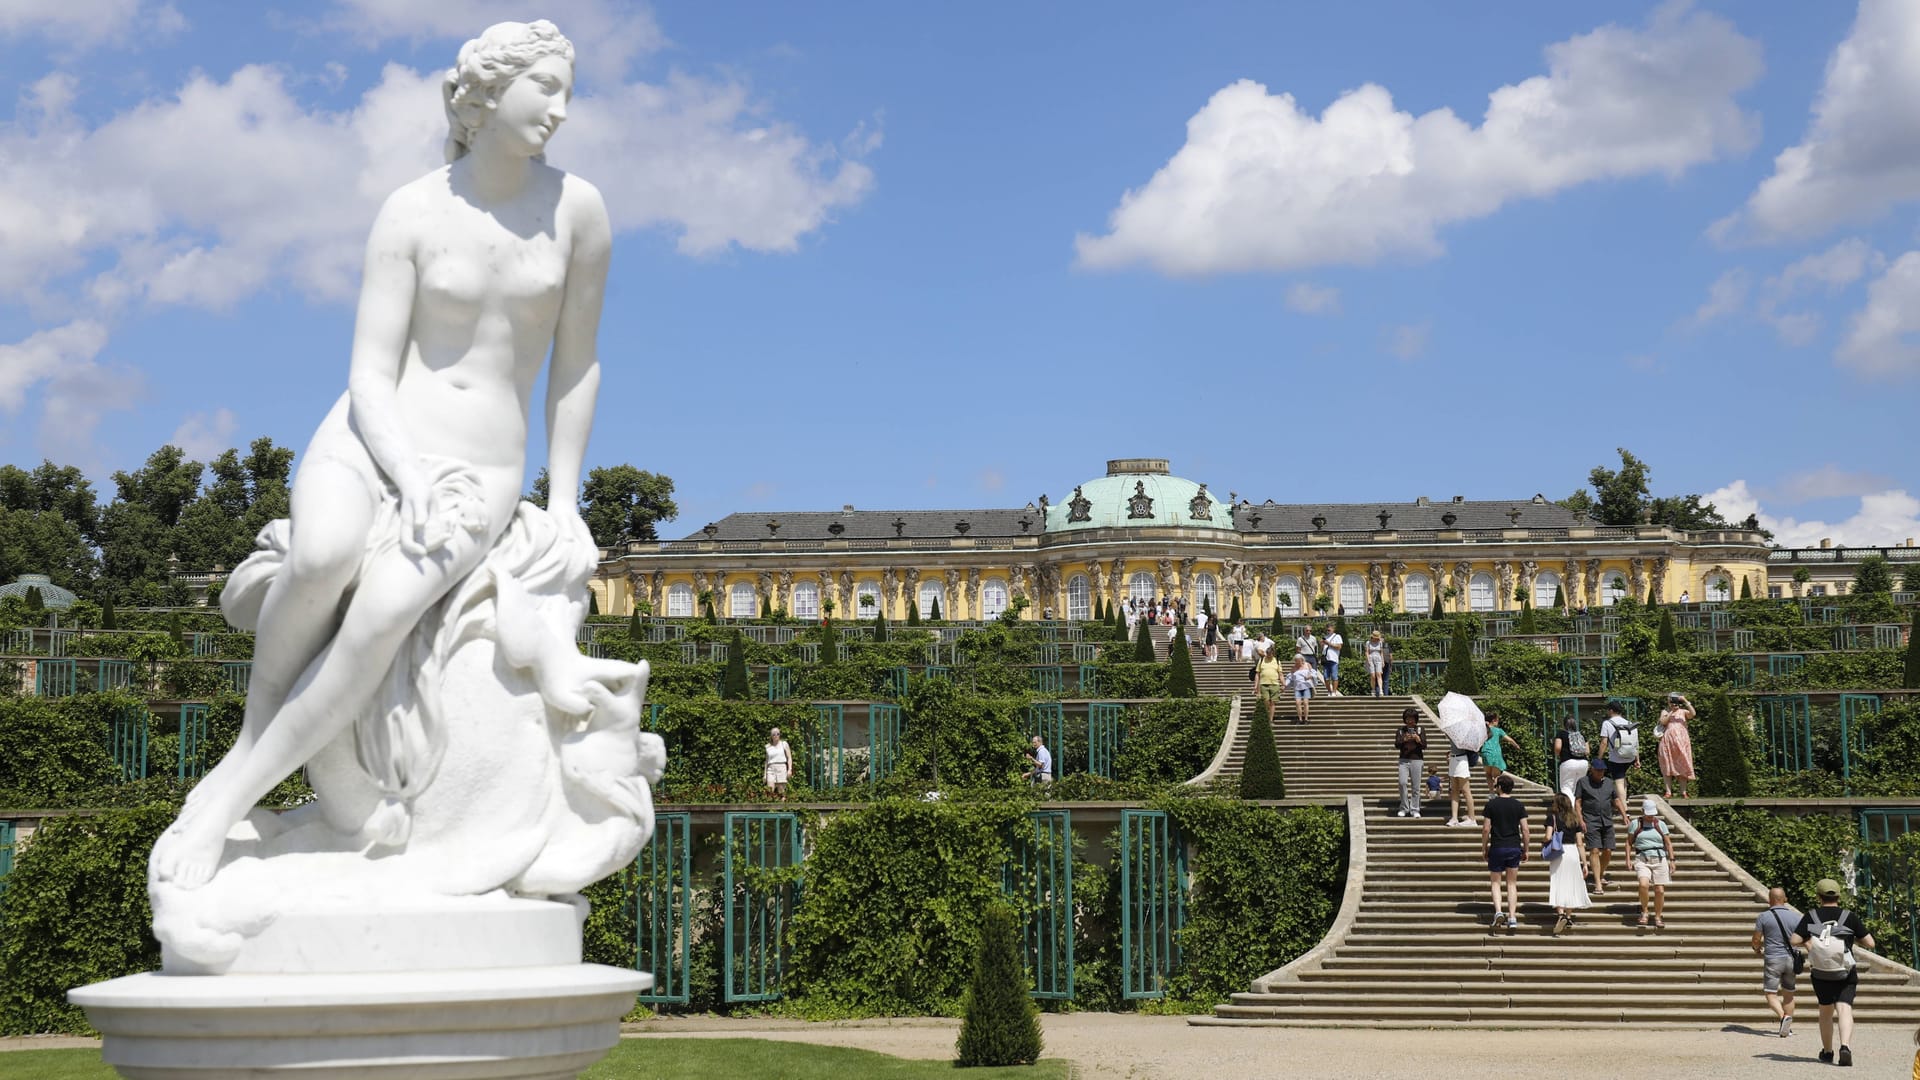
[1140, 586]
[1424, 584]
[1544, 584]
[679, 600]
[806, 600]
[1483, 593]
[995, 598]
[867, 588]
[1206, 586]
[1610, 593]
[1290, 585]
[735, 593]
[1079, 598]
[929, 590]
[1357, 602]
[1724, 590]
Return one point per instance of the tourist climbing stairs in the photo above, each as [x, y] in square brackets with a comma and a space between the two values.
[1418, 950]
[1223, 678]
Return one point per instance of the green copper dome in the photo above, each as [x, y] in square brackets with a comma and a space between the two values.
[1139, 492]
[53, 596]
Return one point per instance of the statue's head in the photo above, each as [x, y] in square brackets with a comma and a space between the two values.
[519, 74]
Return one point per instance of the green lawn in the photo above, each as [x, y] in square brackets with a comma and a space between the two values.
[650, 1058]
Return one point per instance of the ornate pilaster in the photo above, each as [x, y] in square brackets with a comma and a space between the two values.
[1396, 582]
[1462, 578]
[784, 598]
[1186, 580]
[1438, 572]
[1592, 582]
[703, 583]
[1529, 573]
[1096, 580]
[1116, 580]
[766, 590]
[1376, 583]
[973, 592]
[1570, 582]
[953, 594]
[1166, 577]
[657, 590]
[910, 590]
[846, 594]
[1503, 579]
[1659, 574]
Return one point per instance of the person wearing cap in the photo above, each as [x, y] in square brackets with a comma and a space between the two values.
[1835, 994]
[1676, 743]
[1652, 847]
[1773, 944]
[779, 764]
[1621, 755]
[1599, 798]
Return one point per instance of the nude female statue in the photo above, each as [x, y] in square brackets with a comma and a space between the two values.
[474, 274]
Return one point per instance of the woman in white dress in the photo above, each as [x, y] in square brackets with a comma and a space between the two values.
[1566, 887]
[779, 764]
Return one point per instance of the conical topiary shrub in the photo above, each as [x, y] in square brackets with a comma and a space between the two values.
[107, 620]
[733, 679]
[1001, 1024]
[633, 625]
[933, 610]
[1559, 598]
[880, 628]
[1099, 609]
[178, 635]
[766, 607]
[1460, 676]
[1233, 614]
[1260, 775]
[1437, 611]
[1721, 753]
[593, 602]
[1180, 683]
[1527, 623]
[1746, 587]
[829, 642]
[1143, 644]
[913, 613]
[1666, 642]
[35, 602]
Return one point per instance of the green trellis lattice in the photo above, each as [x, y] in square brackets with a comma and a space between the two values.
[132, 728]
[193, 740]
[1049, 721]
[826, 745]
[1153, 902]
[760, 859]
[1040, 877]
[1786, 725]
[663, 909]
[1106, 732]
[883, 740]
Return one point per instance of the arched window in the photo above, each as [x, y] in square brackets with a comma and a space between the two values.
[1206, 592]
[1480, 592]
[1079, 598]
[929, 592]
[740, 604]
[1418, 592]
[864, 592]
[1613, 587]
[806, 600]
[679, 600]
[1286, 595]
[1545, 584]
[1140, 586]
[1719, 587]
[993, 598]
[1353, 593]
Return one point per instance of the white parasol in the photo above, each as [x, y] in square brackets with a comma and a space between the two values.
[1465, 725]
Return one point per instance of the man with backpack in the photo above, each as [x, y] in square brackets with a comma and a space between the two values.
[1830, 932]
[1621, 740]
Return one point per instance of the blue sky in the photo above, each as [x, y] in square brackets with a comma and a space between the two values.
[958, 255]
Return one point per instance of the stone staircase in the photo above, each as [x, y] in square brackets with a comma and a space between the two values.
[1222, 679]
[1412, 946]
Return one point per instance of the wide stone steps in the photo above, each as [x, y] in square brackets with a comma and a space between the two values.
[1420, 951]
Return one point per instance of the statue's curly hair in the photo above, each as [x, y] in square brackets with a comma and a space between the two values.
[487, 64]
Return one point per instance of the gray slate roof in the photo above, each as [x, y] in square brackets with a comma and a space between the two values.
[1274, 517]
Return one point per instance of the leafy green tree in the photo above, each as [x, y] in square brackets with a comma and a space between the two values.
[1260, 773]
[1460, 677]
[43, 542]
[1623, 497]
[1801, 576]
[620, 503]
[1723, 768]
[1911, 679]
[1180, 681]
[1872, 576]
[1666, 642]
[1910, 578]
[733, 678]
[1143, 644]
[61, 490]
[1000, 1025]
[542, 490]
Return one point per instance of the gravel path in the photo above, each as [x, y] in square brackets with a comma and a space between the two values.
[1109, 1046]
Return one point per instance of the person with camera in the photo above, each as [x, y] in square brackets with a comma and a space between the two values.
[1780, 962]
[1676, 743]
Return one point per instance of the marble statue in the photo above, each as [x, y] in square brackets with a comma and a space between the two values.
[415, 619]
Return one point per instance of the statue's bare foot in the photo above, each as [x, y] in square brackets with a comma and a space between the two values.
[188, 853]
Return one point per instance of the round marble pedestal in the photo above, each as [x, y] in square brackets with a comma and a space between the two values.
[476, 1024]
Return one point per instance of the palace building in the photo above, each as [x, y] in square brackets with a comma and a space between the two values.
[1140, 532]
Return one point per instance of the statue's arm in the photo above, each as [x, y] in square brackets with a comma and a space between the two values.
[380, 329]
[574, 382]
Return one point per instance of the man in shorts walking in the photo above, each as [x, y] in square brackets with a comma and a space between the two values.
[1598, 797]
[1330, 658]
[1773, 944]
[1621, 741]
[1503, 843]
[1831, 966]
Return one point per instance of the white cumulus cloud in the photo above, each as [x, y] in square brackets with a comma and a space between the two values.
[1883, 338]
[1310, 299]
[1885, 518]
[205, 435]
[78, 24]
[74, 387]
[1263, 185]
[1823, 273]
[607, 35]
[1861, 153]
